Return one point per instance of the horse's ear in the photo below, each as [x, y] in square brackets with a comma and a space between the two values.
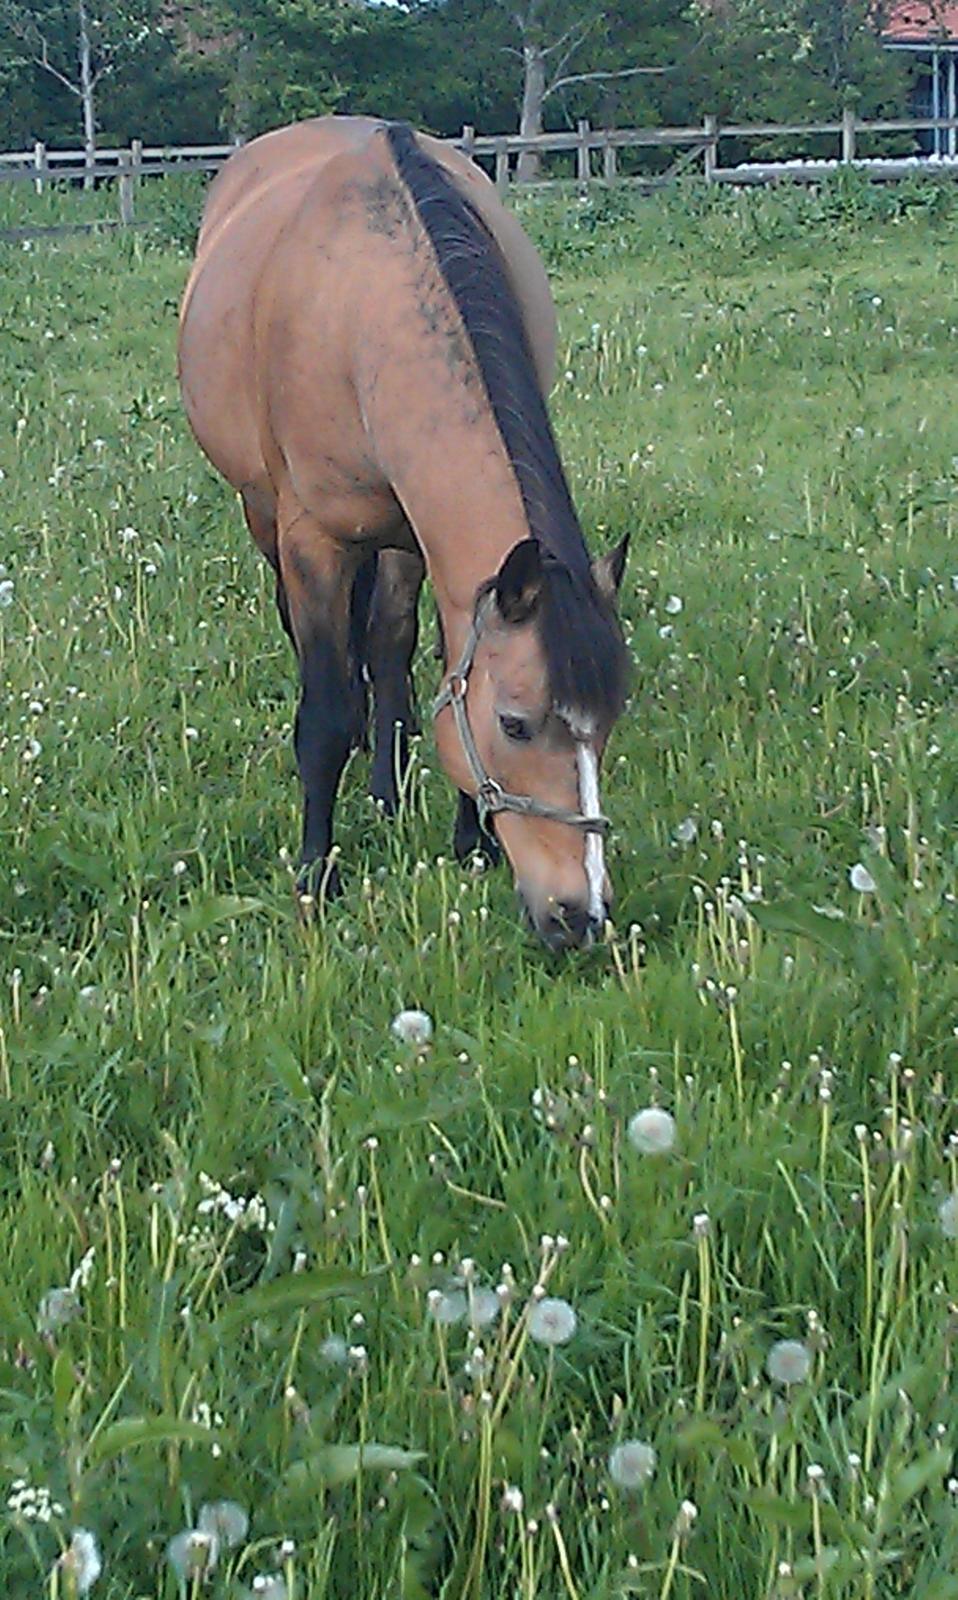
[607, 570]
[519, 582]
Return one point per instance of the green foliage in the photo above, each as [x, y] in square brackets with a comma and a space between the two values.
[752, 384]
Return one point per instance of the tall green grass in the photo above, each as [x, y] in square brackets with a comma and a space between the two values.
[759, 387]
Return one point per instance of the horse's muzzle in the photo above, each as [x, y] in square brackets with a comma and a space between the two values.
[567, 926]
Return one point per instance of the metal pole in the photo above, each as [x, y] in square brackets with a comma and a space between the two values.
[935, 99]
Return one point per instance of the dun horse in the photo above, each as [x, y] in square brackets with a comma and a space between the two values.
[366, 340]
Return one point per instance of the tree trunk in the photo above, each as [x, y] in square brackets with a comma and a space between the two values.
[86, 93]
[530, 117]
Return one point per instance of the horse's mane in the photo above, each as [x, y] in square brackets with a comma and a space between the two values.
[581, 638]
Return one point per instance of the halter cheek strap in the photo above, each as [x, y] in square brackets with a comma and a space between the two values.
[491, 797]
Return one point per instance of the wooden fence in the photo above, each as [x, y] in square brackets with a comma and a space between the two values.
[595, 156]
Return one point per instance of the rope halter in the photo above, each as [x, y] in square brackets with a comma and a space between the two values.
[491, 797]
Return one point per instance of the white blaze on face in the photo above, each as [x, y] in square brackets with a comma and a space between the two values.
[588, 769]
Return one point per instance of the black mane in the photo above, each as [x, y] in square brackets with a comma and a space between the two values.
[580, 634]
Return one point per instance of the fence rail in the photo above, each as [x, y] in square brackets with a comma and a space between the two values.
[128, 166]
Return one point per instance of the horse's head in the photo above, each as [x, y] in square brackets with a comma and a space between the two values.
[540, 682]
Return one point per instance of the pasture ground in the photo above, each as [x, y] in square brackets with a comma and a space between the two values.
[762, 388]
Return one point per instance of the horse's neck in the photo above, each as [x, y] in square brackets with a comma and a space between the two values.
[447, 464]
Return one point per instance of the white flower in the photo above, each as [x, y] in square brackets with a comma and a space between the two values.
[57, 1308]
[789, 1361]
[861, 879]
[192, 1554]
[948, 1216]
[413, 1027]
[32, 749]
[512, 1498]
[673, 605]
[552, 1322]
[632, 1464]
[687, 831]
[652, 1131]
[6, 592]
[81, 1560]
[225, 1520]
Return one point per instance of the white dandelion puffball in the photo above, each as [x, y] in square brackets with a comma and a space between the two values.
[6, 592]
[652, 1131]
[632, 1464]
[552, 1322]
[673, 605]
[687, 831]
[449, 1308]
[413, 1027]
[789, 1361]
[484, 1306]
[861, 879]
[225, 1520]
[81, 1561]
[192, 1554]
[948, 1217]
[57, 1308]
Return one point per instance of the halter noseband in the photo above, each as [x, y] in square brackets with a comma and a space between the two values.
[490, 795]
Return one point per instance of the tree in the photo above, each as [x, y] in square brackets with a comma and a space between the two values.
[554, 35]
[78, 43]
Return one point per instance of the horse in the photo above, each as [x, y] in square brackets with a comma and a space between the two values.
[367, 337]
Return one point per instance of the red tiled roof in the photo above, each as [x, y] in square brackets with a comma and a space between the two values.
[921, 22]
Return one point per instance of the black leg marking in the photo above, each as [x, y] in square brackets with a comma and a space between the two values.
[328, 724]
[390, 644]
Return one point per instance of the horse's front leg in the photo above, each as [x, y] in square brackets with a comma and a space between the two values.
[390, 643]
[317, 575]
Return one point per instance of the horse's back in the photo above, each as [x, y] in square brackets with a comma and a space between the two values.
[270, 215]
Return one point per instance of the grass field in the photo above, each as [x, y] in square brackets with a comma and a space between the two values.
[762, 388]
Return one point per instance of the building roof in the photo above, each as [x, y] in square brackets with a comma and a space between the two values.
[921, 22]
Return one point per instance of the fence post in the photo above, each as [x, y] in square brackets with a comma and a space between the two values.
[609, 164]
[583, 165]
[848, 133]
[710, 154]
[468, 140]
[40, 162]
[126, 188]
[502, 167]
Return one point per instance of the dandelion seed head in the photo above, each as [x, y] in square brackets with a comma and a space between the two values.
[193, 1554]
[652, 1131]
[225, 1520]
[789, 1361]
[57, 1308]
[632, 1464]
[948, 1217]
[412, 1027]
[861, 879]
[552, 1321]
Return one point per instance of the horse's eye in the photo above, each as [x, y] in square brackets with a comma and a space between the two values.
[515, 728]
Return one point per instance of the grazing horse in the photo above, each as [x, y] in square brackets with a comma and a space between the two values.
[366, 340]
